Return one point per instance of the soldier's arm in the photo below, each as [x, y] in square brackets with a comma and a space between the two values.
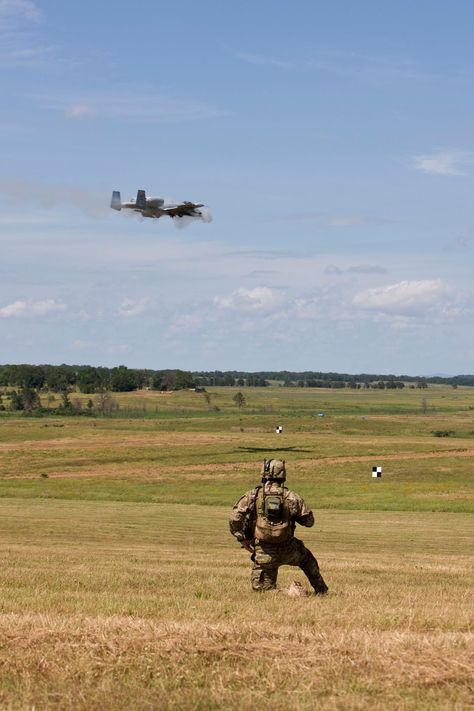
[238, 517]
[302, 514]
[306, 519]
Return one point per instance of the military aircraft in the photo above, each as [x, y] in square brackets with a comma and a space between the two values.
[155, 206]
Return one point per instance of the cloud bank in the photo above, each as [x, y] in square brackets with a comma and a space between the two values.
[260, 298]
[444, 162]
[429, 299]
[30, 309]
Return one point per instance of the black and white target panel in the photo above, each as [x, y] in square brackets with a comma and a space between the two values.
[279, 429]
[376, 472]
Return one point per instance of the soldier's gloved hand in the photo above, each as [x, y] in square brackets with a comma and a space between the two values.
[247, 545]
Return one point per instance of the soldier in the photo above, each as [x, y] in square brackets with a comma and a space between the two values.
[263, 521]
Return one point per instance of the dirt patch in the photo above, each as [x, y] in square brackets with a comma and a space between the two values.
[448, 495]
[395, 457]
[97, 440]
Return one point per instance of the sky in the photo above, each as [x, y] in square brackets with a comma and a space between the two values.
[331, 140]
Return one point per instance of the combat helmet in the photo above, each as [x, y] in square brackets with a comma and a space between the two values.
[273, 469]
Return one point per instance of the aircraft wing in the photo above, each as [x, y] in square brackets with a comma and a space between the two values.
[185, 208]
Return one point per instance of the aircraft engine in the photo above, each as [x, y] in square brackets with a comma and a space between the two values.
[155, 202]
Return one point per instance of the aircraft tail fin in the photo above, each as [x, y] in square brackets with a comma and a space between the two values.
[116, 202]
[141, 199]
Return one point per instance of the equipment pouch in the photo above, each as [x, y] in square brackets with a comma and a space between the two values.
[273, 533]
[272, 507]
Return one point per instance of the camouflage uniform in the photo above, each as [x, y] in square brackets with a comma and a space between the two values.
[267, 558]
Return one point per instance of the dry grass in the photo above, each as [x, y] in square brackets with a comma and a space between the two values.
[118, 663]
[148, 606]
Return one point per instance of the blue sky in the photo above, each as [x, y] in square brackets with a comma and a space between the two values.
[332, 142]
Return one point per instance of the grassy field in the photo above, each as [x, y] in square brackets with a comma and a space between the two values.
[122, 588]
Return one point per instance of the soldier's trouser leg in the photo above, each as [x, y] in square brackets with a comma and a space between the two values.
[264, 572]
[309, 566]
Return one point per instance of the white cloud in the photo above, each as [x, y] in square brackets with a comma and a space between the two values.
[413, 299]
[260, 298]
[133, 307]
[321, 304]
[29, 309]
[444, 162]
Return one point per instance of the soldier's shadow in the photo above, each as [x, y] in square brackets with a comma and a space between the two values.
[273, 449]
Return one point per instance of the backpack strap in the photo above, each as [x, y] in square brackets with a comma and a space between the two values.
[256, 491]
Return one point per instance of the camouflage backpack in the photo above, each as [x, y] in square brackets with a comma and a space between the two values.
[273, 520]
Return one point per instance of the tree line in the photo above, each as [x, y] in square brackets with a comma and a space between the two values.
[97, 379]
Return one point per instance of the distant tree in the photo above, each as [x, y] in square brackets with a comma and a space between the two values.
[77, 404]
[29, 376]
[105, 403]
[122, 379]
[91, 380]
[16, 401]
[168, 380]
[157, 381]
[183, 380]
[25, 399]
[59, 377]
[65, 401]
[239, 400]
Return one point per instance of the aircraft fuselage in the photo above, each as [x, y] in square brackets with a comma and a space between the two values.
[155, 207]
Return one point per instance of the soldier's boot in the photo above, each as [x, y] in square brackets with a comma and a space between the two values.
[263, 579]
[310, 568]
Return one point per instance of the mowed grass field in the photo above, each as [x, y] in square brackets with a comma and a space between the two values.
[122, 588]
